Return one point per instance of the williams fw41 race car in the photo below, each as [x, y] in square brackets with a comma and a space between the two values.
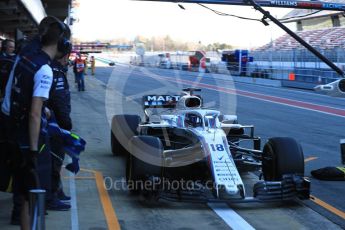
[186, 152]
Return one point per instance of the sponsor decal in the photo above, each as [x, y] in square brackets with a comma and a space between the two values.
[46, 77]
[333, 6]
[222, 169]
[227, 174]
[284, 3]
[45, 82]
[163, 98]
[309, 5]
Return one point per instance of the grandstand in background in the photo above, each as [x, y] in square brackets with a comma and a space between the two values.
[326, 38]
[324, 30]
[99, 47]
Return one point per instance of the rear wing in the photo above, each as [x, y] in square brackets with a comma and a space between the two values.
[160, 101]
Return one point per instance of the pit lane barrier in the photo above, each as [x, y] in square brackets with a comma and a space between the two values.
[37, 209]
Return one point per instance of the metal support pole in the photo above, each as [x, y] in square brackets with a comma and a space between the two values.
[37, 209]
[267, 15]
[342, 151]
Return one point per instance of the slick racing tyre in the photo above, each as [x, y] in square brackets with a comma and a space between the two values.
[137, 171]
[281, 156]
[123, 128]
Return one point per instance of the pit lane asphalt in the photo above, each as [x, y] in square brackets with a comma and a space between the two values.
[318, 133]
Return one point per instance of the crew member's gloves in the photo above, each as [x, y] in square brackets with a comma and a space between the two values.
[74, 166]
[31, 176]
[31, 160]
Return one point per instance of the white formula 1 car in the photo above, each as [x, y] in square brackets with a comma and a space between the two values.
[188, 153]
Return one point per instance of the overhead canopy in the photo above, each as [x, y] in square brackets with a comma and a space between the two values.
[25, 15]
[14, 15]
[333, 5]
[57, 8]
[297, 14]
[35, 9]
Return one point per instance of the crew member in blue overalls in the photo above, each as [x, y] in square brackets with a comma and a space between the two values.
[60, 105]
[7, 58]
[26, 92]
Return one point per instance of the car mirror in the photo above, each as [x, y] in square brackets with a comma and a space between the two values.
[210, 121]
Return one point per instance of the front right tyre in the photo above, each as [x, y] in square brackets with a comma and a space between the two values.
[144, 163]
[123, 128]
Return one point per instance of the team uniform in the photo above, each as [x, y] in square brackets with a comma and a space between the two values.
[6, 64]
[31, 77]
[60, 97]
[60, 104]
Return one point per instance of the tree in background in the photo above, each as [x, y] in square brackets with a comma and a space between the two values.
[218, 46]
[165, 43]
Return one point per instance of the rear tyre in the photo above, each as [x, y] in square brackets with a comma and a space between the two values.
[123, 128]
[139, 171]
[282, 155]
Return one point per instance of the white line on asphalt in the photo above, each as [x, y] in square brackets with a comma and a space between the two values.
[298, 107]
[231, 79]
[74, 208]
[260, 99]
[337, 99]
[276, 88]
[311, 93]
[230, 217]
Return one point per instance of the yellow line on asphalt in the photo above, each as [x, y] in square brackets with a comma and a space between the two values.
[108, 209]
[323, 203]
[328, 206]
[88, 170]
[310, 159]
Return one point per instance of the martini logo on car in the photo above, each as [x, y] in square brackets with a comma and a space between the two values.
[163, 98]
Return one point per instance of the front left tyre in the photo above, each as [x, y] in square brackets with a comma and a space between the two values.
[123, 128]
